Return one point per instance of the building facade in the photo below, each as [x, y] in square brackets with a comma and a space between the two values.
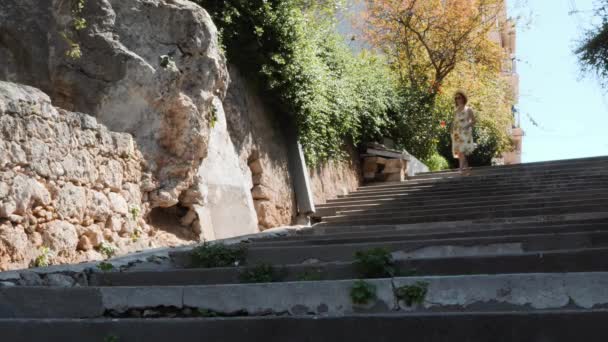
[505, 35]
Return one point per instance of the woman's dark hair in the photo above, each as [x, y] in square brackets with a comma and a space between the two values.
[464, 96]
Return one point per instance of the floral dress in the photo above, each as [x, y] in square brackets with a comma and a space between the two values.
[462, 132]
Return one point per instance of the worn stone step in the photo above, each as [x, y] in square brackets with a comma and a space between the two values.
[496, 178]
[321, 230]
[591, 190]
[456, 202]
[513, 292]
[550, 165]
[472, 204]
[469, 192]
[579, 260]
[419, 248]
[403, 216]
[477, 187]
[393, 235]
[324, 228]
[545, 326]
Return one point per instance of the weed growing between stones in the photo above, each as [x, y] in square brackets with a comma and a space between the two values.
[375, 263]
[412, 294]
[262, 273]
[107, 250]
[43, 259]
[105, 266]
[362, 292]
[218, 255]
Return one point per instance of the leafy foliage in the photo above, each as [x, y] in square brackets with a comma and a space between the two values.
[362, 292]
[593, 50]
[262, 273]
[218, 255]
[437, 47]
[291, 51]
[375, 263]
[412, 294]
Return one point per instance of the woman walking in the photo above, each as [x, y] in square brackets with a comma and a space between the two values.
[462, 130]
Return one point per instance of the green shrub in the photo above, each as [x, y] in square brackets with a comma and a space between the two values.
[362, 292]
[374, 263]
[437, 162]
[218, 255]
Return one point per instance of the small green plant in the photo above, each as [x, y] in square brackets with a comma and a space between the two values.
[105, 266]
[262, 273]
[375, 263]
[43, 259]
[314, 275]
[206, 313]
[134, 211]
[165, 61]
[111, 338]
[362, 292]
[135, 235]
[213, 120]
[412, 294]
[107, 250]
[218, 255]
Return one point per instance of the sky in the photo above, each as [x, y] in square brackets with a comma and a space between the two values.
[571, 108]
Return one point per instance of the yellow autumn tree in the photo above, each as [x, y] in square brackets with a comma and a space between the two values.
[428, 39]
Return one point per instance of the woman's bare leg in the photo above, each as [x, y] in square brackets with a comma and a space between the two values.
[462, 160]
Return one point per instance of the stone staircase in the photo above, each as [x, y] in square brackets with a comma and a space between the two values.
[511, 253]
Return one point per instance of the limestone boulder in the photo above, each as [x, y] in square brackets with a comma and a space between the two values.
[60, 237]
[151, 68]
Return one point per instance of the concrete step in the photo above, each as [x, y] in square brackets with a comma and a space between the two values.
[560, 261]
[545, 326]
[514, 292]
[419, 248]
[455, 202]
[408, 216]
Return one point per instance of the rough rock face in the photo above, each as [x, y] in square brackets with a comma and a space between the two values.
[262, 150]
[336, 177]
[66, 182]
[121, 79]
